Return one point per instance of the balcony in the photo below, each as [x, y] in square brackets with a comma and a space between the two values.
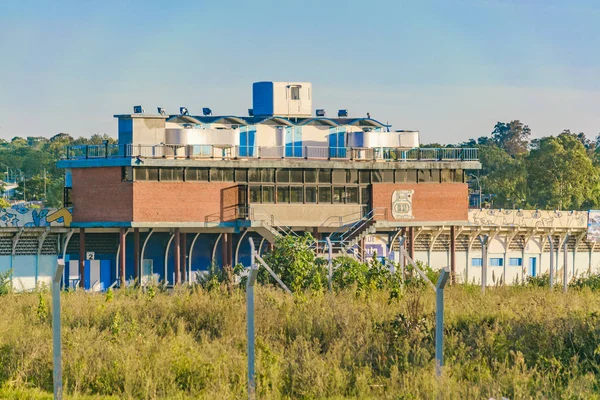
[226, 152]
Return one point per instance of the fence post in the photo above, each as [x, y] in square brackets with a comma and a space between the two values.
[483, 239]
[56, 339]
[439, 320]
[330, 263]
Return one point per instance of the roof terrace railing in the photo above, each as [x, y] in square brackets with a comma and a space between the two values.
[173, 151]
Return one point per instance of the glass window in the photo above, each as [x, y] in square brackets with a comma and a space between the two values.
[325, 194]
[228, 175]
[296, 176]
[216, 175]
[268, 194]
[268, 175]
[171, 174]
[424, 175]
[476, 262]
[388, 176]
[283, 175]
[296, 194]
[295, 92]
[338, 194]
[496, 262]
[140, 174]
[377, 176]
[352, 194]
[401, 176]
[311, 194]
[203, 174]
[365, 195]
[310, 176]
[435, 175]
[352, 176]
[241, 175]
[191, 174]
[127, 174]
[339, 176]
[324, 176]
[152, 174]
[515, 262]
[459, 176]
[283, 194]
[254, 194]
[254, 175]
[364, 176]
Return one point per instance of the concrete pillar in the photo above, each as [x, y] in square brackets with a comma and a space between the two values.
[183, 257]
[224, 247]
[452, 255]
[122, 254]
[177, 253]
[81, 257]
[230, 249]
[136, 254]
[362, 251]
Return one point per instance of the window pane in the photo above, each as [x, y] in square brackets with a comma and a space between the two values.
[166, 174]
[296, 176]
[364, 176]
[424, 175]
[152, 174]
[401, 176]
[324, 194]
[296, 194]
[203, 174]
[127, 174]
[268, 175]
[352, 176]
[283, 194]
[352, 194]
[216, 175]
[435, 175]
[388, 176]
[254, 194]
[228, 175]
[268, 194]
[241, 175]
[365, 195]
[178, 174]
[253, 175]
[476, 262]
[376, 176]
[283, 175]
[459, 176]
[338, 194]
[191, 174]
[339, 176]
[324, 176]
[310, 176]
[311, 194]
[140, 174]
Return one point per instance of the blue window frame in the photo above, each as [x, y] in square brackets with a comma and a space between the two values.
[515, 262]
[247, 141]
[337, 142]
[293, 141]
[496, 262]
[477, 262]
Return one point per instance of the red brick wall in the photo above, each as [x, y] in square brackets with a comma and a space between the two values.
[184, 201]
[431, 201]
[100, 195]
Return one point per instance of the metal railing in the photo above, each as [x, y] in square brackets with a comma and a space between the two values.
[174, 151]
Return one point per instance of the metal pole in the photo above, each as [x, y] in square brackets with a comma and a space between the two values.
[330, 263]
[565, 255]
[551, 261]
[439, 320]
[250, 320]
[483, 239]
[56, 345]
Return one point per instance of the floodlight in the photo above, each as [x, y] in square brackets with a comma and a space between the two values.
[320, 112]
[206, 111]
[342, 113]
[183, 111]
[251, 112]
[161, 110]
[138, 110]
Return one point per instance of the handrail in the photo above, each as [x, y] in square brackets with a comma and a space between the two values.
[226, 152]
[271, 219]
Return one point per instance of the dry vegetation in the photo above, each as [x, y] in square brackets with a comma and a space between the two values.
[513, 342]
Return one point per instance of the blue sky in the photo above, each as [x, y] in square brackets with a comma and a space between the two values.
[450, 69]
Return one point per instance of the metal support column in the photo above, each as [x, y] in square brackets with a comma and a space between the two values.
[136, 254]
[565, 271]
[56, 335]
[183, 257]
[484, 240]
[411, 242]
[177, 254]
[81, 257]
[551, 243]
[122, 254]
[452, 254]
[439, 320]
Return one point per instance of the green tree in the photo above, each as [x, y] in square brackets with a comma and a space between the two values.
[512, 137]
[560, 175]
[503, 176]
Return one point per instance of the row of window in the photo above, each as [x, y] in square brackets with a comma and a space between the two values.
[285, 175]
[498, 262]
[309, 194]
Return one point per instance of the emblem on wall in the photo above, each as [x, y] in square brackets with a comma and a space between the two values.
[402, 204]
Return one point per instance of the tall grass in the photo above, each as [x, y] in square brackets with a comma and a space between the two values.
[514, 342]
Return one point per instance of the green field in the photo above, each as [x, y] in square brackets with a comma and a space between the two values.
[514, 342]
